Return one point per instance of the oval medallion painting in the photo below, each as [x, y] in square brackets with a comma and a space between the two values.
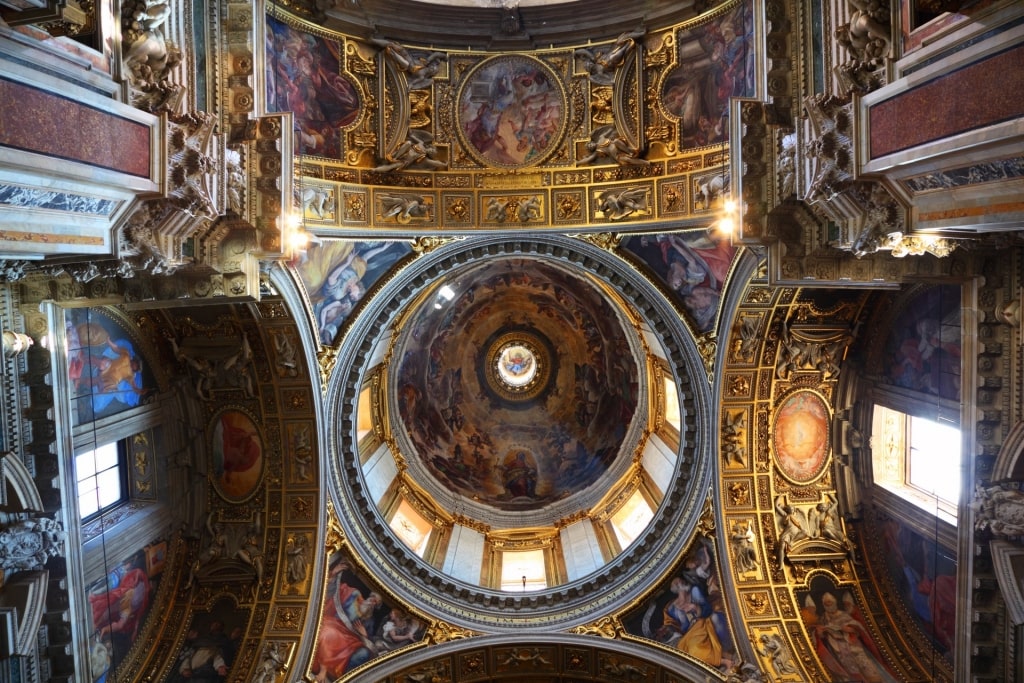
[511, 111]
[237, 455]
[801, 436]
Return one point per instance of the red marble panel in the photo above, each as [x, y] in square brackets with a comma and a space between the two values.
[39, 121]
[980, 94]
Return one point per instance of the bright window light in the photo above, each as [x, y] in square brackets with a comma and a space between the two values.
[630, 520]
[411, 528]
[364, 414]
[523, 571]
[933, 463]
[917, 459]
[672, 415]
[100, 479]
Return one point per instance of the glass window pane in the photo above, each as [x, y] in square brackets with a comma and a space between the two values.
[106, 456]
[934, 458]
[672, 414]
[523, 571]
[108, 485]
[100, 479]
[85, 465]
[631, 519]
[87, 503]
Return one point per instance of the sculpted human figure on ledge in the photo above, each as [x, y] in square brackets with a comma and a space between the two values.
[418, 150]
[27, 544]
[1000, 508]
[601, 64]
[606, 142]
[867, 35]
[793, 525]
[420, 71]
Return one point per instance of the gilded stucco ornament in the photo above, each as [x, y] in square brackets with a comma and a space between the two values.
[404, 208]
[744, 547]
[12, 270]
[225, 364]
[427, 244]
[745, 673]
[707, 346]
[334, 540]
[443, 632]
[706, 522]
[734, 437]
[606, 241]
[605, 627]
[326, 357]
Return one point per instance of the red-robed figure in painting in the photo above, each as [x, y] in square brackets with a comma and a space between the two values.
[344, 641]
[240, 445]
[120, 609]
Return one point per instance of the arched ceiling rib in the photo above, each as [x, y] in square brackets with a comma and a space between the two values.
[481, 26]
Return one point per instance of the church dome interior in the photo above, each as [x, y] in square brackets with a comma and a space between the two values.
[546, 341]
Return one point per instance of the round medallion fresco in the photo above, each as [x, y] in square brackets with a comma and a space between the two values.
[801, 436]
[517, 366]
[237, 454]
[511, 111]
[519, 390]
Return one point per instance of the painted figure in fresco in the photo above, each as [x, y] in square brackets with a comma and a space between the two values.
[119, 604]
[205, 658]
[687, 623]
[303, 77]
[520, 476]
[105, 370]
[344, 641]
[337, 274]
[927, 582]
[118, 611]
[694, 265]
[510, 112]
[923, 350]
[240, 445]
[698, 91]
[399, 629]
[845, 646]
[694, 621]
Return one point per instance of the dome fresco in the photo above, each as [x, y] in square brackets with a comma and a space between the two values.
[516, 384]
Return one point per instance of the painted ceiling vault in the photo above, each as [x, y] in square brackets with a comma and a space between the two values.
[544, 341]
